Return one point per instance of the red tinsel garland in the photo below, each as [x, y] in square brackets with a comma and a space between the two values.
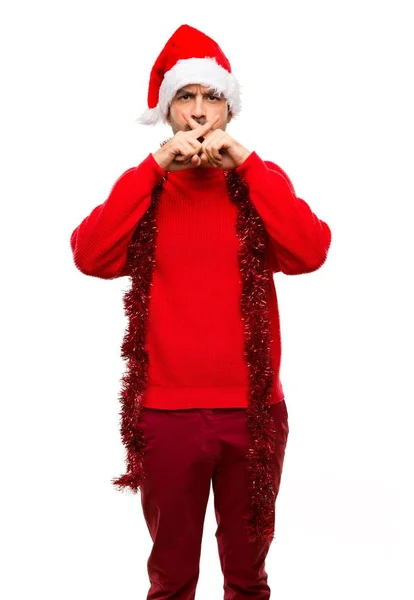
[141, 261]
[254, 312]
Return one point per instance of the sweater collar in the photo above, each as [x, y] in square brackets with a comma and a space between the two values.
[199, 175]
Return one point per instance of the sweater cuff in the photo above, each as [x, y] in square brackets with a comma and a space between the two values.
[252, 161]
[150, 160]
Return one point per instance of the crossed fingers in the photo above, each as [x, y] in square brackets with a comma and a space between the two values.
[209, 153]
[197, 133]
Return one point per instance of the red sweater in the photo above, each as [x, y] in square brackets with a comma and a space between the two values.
[195, 332]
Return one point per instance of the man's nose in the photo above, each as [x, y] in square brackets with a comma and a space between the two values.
[198, 110]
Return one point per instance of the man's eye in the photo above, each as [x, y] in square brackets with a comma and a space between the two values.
[188, 96]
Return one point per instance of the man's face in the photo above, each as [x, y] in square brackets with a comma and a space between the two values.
[201, 103]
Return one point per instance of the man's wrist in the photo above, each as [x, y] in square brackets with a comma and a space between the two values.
[243, 156]
[161, 158]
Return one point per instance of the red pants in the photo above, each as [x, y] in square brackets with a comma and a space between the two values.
[187, 451]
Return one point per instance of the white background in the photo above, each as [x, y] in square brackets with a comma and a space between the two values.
[327, 96]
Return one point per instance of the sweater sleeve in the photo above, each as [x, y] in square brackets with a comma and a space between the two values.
[99, 244]
[299, 240]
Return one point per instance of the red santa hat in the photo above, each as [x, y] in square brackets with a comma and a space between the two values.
[189, 57]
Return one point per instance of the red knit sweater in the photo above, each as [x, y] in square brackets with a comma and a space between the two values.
[195, 335]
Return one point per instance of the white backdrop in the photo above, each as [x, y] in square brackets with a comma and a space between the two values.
[327, 96]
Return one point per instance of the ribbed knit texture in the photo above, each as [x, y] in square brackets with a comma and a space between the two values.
[195, 336]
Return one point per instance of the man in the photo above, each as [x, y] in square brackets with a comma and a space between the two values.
[200, 226]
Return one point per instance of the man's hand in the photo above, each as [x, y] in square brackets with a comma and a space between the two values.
[221, 150]
[182, 151]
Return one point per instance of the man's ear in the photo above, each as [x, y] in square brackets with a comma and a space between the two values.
[229, 116]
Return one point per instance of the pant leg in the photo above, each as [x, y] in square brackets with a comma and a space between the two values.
[179, 463]
[242, 562]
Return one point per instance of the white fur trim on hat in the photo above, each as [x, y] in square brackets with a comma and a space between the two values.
[202, 71]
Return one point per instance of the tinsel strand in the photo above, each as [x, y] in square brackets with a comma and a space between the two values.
[253, 303]
[141, 260]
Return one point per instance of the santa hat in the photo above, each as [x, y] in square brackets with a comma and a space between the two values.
[189, 57]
